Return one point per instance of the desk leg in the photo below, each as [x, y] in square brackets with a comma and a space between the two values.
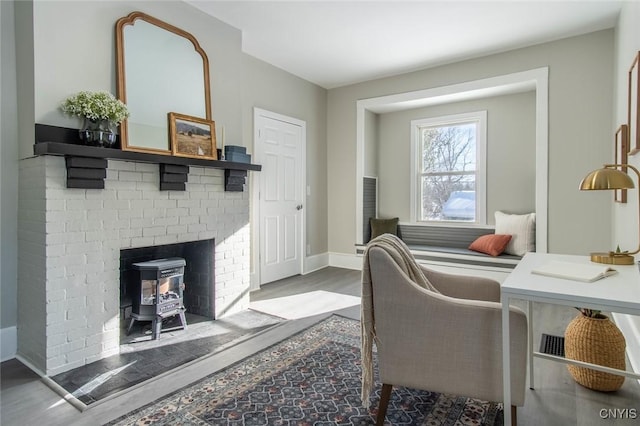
[530, 328]
[506, 361]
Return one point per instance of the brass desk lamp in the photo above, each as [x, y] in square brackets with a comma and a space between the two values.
[610, 178]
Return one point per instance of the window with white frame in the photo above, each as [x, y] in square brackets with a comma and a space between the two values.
[449, 168]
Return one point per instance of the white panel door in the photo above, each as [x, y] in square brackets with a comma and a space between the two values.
[279, 149]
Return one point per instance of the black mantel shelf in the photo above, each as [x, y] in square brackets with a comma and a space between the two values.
[87, 165]
[73, 150]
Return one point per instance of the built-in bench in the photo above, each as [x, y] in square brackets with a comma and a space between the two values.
[449, 244]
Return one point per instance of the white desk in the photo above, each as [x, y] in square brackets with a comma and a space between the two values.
[617, 293]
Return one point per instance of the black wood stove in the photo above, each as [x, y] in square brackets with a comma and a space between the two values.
[157, 293]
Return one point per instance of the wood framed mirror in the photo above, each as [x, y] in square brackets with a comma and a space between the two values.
[159, 68]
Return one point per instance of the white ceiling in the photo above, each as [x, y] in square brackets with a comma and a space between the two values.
[335, 43]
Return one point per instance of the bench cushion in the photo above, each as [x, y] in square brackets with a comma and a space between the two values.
[463, 257]
[459, 251]
[451, 244]
[457, 256]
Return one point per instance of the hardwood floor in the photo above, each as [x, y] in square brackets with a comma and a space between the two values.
[557, 400]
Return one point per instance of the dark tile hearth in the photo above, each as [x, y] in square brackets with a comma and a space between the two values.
[142, 358]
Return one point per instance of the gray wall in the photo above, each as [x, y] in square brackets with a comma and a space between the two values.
[510, 154]
[270, 88]
[8, 177]
[625, 231]
[372, 138]
[580, 104]
[73, 48]
[25, 59]
[627, 45]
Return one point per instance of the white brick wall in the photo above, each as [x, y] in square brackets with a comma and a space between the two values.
[69, 287]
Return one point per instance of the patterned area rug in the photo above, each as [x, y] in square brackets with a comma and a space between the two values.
[312, 378]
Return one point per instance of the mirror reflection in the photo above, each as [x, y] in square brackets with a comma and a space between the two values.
[161, 69]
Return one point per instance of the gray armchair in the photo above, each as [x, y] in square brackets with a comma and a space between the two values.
[448, 342]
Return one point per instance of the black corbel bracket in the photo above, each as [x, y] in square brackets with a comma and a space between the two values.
[85, 172]
[173, 177]
[234, 180]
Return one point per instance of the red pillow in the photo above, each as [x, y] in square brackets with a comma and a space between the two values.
[491, 244]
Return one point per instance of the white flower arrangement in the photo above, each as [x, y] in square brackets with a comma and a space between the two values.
[100, 105]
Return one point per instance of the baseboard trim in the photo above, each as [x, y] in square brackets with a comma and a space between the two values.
[347, 261]
[75, 402]
[254, 281]
[8, 343]
[30, 365]
[631, 332]
[315, 262]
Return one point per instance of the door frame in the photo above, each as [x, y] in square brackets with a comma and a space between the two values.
[255, 218]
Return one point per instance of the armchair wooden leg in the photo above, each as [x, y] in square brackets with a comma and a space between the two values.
[385, 395]
[514, 414]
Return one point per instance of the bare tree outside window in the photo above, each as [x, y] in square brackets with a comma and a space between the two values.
[448, 175]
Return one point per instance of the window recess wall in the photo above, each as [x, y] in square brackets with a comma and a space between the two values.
[510, 156]
[395, 182]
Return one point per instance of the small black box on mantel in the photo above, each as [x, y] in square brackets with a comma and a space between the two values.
[235, 148]
[237, 154]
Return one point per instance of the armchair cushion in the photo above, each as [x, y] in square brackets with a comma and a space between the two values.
[464, 286]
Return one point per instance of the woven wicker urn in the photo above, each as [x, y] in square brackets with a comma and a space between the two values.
[599, 341]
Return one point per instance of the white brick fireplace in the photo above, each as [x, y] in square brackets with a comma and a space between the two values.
[69, 250]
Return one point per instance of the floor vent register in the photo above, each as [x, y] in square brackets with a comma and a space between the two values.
[552, 345]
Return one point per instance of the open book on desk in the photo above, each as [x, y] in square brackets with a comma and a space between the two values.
[574, 271]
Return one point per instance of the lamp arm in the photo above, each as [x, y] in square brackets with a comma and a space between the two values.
[637, 172]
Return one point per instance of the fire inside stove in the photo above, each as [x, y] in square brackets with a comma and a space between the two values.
[158, 293]
[169, 290]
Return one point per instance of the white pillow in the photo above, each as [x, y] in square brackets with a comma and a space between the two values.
[521, 227]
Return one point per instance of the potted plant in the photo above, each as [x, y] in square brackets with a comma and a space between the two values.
[101, 112]
[592, 337]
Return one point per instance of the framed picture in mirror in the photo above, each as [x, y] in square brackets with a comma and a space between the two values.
[192, 136]
[621, 157]
[633, 118]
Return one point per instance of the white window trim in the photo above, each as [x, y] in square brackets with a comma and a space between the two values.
[481, 164]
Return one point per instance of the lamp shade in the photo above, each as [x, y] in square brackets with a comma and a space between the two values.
[606, 178]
